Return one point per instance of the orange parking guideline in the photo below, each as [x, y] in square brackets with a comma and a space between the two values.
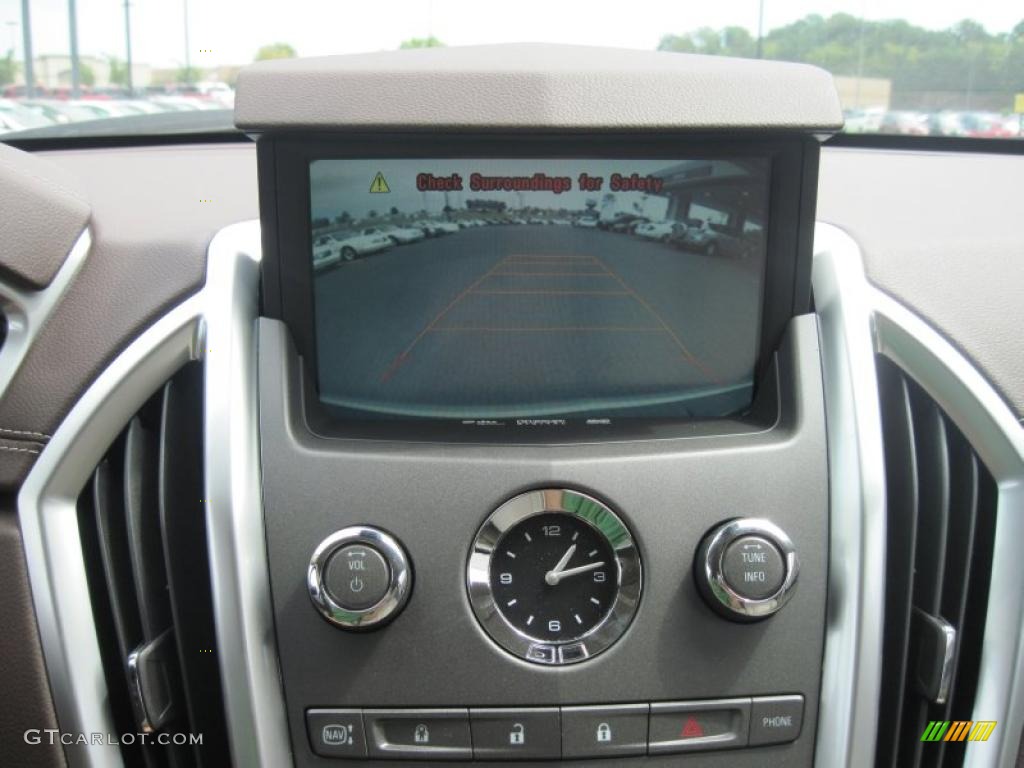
[690, 357]
[397, 362]
[662, 327]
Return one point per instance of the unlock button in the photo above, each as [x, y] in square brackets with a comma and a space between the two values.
[516, 734]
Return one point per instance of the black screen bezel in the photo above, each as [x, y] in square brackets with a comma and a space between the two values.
[288, 276]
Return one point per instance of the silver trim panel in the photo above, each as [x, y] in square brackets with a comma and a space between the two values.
[995, 434]
[852, 665]
[218, 325]
[27, 311]
[253, 697]
[48, 513]
[606, 524]
[399, 579]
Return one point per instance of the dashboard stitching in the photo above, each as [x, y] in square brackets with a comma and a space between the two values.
[24, 432]
[18, 450]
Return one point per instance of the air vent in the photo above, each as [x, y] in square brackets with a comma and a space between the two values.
[941, 516]
[142, 522]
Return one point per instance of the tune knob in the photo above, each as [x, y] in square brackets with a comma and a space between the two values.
[746, 569]
[359, 578]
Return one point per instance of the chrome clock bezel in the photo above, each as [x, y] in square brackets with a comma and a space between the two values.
[607, 524]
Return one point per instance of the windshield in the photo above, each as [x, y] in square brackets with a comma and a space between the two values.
[105, 67]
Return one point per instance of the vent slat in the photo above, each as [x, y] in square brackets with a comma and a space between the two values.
[930, 557]
[933, 519]
[941, 513]
[143, 533]
[901, 479]
[972, 626]
[959, 553]
[115, 554]
[107, 633]
[183, 525]
[141, 516]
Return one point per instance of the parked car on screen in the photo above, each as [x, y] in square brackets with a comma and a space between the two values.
[398, 235]
[680, 230]
[655, 230]
[626, 224]
[723, 241]
[426, 227]
[447, 227]
[325, 253]
[698, 236]
[355, 245]
[587, 222]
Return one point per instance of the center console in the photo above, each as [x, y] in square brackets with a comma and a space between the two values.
[542, 427]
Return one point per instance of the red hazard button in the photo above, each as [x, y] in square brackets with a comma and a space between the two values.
[698, 725]
[692, 728]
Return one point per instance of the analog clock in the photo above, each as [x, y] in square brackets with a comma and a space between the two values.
[554, 576]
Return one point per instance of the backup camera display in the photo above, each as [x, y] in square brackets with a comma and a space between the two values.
[537, 292]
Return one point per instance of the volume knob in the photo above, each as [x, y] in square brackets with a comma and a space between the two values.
[746, 569]
[359, 577]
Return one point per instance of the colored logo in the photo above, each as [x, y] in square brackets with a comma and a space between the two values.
[958, 730]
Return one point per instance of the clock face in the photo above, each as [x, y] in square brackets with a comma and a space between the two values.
[554, 577]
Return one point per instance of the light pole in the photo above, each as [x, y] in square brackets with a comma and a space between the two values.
[188, 49]
[76, 77]
[26, 31]
[760, 28]
[128, 48]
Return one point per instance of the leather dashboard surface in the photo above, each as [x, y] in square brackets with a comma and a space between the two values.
[154, 211]
[941, 232]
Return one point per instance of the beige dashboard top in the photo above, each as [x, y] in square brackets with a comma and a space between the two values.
[535, 86]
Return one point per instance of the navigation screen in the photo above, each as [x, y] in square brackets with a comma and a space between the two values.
[537, 292]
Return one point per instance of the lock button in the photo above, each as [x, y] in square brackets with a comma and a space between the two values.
[618, 731]
[516, 734]
[418, 734]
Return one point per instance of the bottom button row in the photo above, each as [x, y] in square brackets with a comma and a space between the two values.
[540, 733]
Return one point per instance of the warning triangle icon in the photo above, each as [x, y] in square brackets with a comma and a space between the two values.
[692, 729]
[379, 185]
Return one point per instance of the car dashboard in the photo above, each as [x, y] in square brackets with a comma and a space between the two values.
[519, 405]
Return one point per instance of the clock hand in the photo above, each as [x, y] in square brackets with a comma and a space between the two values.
[553, 578]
